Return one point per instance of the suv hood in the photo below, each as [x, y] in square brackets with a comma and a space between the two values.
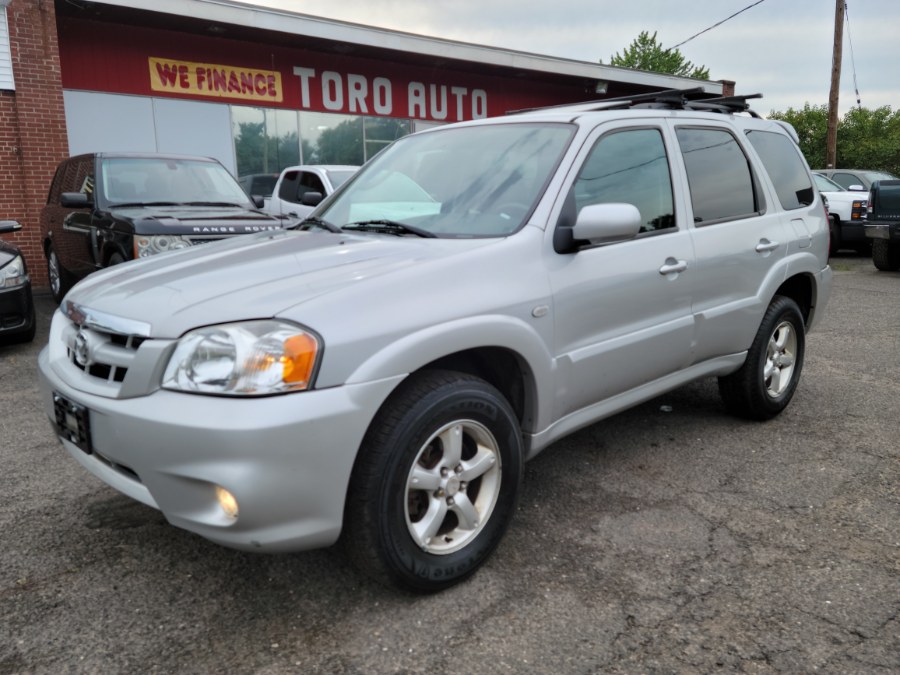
[196, 220]
[269, 272]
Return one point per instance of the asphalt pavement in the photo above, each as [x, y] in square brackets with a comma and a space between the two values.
[672, 538]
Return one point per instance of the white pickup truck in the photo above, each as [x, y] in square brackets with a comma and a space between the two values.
[847, 210]
[300, 188]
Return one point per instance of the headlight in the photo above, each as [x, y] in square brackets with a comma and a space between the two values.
[147, 245]
[13, 274]
[251, 358]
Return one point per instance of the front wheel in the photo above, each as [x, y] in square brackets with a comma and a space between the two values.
[765, 384]
[435, 483]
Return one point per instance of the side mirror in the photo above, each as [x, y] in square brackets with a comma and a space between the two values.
[857, 188]
[311, 198]
[74, 200]
[607, 223]
[258, 201]
[7, 226]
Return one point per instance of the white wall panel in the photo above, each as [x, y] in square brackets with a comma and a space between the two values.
[194, 128]
[108, 123]
[6, 71]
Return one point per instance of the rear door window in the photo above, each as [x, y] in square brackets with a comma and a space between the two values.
[721, 183]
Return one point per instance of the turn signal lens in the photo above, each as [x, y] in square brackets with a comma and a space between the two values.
[299, 358]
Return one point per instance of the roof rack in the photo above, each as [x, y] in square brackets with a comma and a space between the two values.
[695, 98]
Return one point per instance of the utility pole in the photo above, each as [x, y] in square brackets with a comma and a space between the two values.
[831, 140]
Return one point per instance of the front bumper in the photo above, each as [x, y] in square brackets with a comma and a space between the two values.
[877, 230]
[287, 459]
[16, 310]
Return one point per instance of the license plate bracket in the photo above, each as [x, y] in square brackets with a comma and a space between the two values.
[73, 422]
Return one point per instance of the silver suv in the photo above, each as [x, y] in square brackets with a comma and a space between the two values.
[473, 294]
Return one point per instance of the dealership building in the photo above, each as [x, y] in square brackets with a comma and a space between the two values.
[257, 88]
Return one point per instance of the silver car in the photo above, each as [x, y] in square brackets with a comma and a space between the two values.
[476, 292]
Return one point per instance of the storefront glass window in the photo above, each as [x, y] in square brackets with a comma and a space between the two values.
[331, 139]
[381, 132]
[265, 140]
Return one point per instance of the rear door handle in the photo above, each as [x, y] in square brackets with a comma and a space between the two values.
[764, 246]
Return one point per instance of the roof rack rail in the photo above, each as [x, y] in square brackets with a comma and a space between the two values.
[695, 98]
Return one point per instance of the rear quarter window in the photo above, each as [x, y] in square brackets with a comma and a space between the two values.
[782, 162]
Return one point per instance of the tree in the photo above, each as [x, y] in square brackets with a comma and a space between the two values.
[867, 139]
[645, 53]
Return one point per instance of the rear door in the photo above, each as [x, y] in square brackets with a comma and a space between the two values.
[70, 228]
[740, 235]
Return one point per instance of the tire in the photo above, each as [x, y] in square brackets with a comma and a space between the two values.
[61, 280]
[435, 483]
[765, 384]
[886, 255]
[834, 231]
[115, 259]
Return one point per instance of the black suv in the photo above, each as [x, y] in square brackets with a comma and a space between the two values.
[106, 208]
[883, 224]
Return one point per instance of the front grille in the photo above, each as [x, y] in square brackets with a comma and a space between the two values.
[102, 354]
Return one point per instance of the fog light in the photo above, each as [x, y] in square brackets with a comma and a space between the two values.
[227, 502]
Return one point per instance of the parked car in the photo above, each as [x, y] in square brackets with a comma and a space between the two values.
[847, 210]
[106, 208]
[476, 292]
[259, 186]
[883, 224]
[854, 179]
[17, 320]
[300, 189]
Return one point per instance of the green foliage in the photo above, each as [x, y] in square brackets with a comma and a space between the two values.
[645, 53]
[866, 139]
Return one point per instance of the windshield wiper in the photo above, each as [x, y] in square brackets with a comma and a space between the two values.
[388, 227]
[311, 222]
[211, 204]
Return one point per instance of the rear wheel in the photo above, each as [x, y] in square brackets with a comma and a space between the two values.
[766, 382]
[834, 231]
[886, 255]
[435, 484]
[61, 280]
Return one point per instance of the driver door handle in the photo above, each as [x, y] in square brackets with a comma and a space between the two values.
[673, 266]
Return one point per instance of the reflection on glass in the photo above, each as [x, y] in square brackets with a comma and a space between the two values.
[481, 181]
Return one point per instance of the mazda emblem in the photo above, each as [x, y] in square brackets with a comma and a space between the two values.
[82, 349]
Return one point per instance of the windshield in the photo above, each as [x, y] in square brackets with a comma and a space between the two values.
[160, 180]
[826, 184]
[339, 177]
[878, 175]
[471, 181]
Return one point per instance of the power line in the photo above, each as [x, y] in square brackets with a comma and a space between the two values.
[705, 30]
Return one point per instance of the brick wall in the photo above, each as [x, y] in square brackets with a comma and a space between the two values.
[32, 126]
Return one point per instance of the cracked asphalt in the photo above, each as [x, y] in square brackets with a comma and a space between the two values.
[668, 539]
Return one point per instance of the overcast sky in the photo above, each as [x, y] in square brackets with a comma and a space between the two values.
[779, 48]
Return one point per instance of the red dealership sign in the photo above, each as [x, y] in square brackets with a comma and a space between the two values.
[114, 58]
